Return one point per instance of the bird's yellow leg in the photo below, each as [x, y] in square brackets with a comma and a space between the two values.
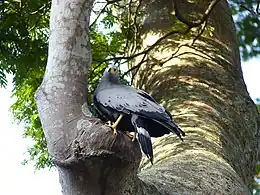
[134, 136]
[116, 123]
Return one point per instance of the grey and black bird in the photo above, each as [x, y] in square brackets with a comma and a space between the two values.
[131, 110]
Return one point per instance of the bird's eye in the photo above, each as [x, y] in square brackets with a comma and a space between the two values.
[113, 70]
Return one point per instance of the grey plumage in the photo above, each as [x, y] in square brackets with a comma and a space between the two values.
[140, 111]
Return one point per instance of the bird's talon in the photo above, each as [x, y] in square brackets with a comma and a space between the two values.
[109, 123]
[115, 132]
[132, 137]
[113, 126]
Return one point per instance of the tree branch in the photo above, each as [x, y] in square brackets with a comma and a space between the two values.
[257, 7]
[200, 31]
[198, 22]
[146, 51]
[133, 47]
[102, 11]
[172, 56]
[137, 67]
[255, 13]
[182, 19]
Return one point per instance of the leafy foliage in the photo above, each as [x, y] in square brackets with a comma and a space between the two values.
[24, 34]
[255, 186]
[247, 14]
[24, 31]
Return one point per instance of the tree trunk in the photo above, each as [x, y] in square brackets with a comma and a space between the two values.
[203, 88]
[201, 83]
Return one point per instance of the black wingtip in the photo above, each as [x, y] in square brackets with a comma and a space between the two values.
[177, 130]
[146, 146]
[151, 159]
[181, 134]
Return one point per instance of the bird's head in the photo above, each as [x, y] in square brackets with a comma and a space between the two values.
[113, 70]
[112, 74]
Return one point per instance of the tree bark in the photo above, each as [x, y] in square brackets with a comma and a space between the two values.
[203, 88]
[90, 160]
[202, 85]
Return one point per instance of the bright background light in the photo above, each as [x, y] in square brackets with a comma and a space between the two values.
[18, 179]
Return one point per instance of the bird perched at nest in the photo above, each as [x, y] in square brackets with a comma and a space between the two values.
[131, 110]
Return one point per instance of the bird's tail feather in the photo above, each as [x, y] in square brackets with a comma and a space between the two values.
[146, 143]
[174, 128]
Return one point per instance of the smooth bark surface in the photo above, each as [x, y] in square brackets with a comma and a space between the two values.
[89, 158]
[203, 88]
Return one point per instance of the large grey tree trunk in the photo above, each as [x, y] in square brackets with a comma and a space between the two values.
[201, 82]
[203, 88]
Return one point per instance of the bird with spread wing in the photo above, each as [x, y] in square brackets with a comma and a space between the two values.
[131, 110]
